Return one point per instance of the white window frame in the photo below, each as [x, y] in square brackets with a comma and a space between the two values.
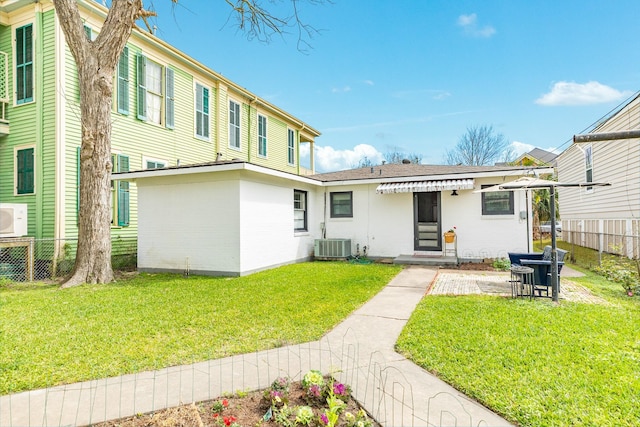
[206, 116]
[291, 147]
[15, 169]
[236, 125]
[154, 95]
[145, 160]
[303, 207]
[588, 167]
[263, 138]
[14, 70]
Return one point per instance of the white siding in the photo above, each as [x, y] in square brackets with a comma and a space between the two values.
[385, 224]
[267, 237]
[189, 224]
[616, 162]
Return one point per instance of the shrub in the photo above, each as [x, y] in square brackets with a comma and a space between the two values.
[501, 264]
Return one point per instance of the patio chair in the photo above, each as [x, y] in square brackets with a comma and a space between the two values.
[516, 257]
[542, 272]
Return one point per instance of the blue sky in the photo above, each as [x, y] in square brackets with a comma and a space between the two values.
[413, 75]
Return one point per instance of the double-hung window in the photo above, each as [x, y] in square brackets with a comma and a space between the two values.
[25, 171]
[155, 92]
[262, 135]
[24, 64]
[341, 204]
[202, 111]
[234, 124]
[299, 210]
[120, 192]
[497, 202]
[291, 146]
[588, 166]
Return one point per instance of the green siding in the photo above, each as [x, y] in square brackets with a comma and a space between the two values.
[47, 173]
[33, 124]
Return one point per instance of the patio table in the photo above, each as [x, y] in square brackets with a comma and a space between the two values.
[521, 281]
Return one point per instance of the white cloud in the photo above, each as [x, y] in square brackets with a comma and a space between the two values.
[341, 89]
[368, 82]
[329, 159]
[470, 25]
[519, 148]
[467, 20]
[571, 93]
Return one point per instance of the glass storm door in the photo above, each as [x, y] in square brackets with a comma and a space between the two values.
[426, 214]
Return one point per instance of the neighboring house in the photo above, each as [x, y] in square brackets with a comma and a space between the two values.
[168, 110]
[604, 218]
[535, 157]
[254, 218]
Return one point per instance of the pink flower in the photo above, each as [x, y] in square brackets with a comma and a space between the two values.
[324, 419]
[315, 390]
[338, 389]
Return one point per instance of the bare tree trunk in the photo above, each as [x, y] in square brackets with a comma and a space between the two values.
[96, 62]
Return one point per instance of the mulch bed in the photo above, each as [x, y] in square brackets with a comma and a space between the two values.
[247, 410]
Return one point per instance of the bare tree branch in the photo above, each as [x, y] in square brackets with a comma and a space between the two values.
[258, 23]
[479, 146]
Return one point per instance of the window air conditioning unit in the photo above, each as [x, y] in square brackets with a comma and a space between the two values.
[13, 220]
[332, 248]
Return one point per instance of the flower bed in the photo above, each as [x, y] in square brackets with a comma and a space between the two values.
[316, 401]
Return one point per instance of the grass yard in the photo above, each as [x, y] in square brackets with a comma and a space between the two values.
[534, 362]
[51, 336]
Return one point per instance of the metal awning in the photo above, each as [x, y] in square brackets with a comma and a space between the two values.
[425, 186]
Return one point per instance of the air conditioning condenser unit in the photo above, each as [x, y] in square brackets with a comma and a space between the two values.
[332, 248]
[13, 220]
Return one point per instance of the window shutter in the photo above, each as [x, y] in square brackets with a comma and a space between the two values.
[87, 31]
[24, 64]
[25, 171]
[142, 87]
[169, 102]
[123, 82]
[123, 192]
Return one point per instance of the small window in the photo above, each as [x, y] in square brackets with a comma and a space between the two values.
[291, 146]
[588, 166]
[497, 202]
[202, 111]
[25, 171]
[342, 204]
[262, 135]
[154, 164]
[24, 64]
[234, 124]
[299, 210]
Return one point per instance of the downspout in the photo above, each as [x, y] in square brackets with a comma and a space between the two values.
[39, 155]
[251, 101]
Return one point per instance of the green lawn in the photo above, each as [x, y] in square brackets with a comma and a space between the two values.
[535, 362]
[50, 336]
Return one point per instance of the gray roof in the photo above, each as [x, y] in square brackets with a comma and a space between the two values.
[544, 155]
[411, 170]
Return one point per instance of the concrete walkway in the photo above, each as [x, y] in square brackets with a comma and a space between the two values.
[360, 349]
